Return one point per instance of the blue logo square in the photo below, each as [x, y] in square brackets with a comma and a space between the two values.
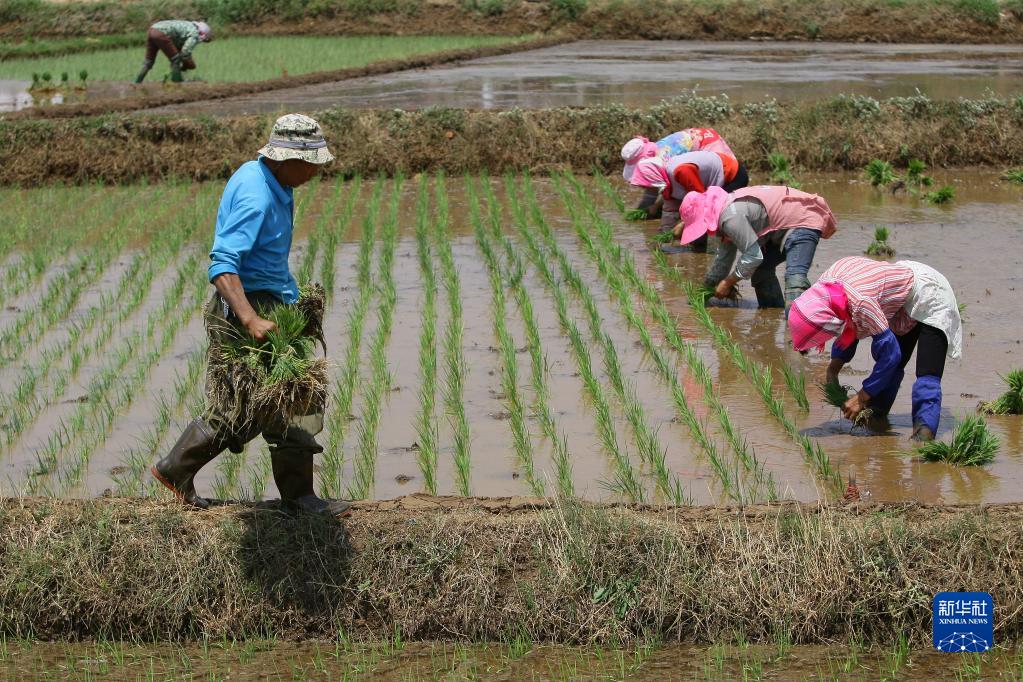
[963, 621]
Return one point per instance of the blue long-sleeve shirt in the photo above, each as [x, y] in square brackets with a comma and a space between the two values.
[884, 348]
[254, 228]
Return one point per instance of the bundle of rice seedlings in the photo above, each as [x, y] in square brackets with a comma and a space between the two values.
[1013, 175]
[880, 173]
[941, 196]
[1010, 402]
[636, 214]
[663, 237]
[972, 445]
[836, 395]
[277, 379]
[880, 245]
[703, 293]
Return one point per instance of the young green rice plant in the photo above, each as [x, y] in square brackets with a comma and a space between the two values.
[426, 418]
[521, 440]
[797, 386]
[453, 353]
[623, 478]
[1010, 402]
[915, 176]
[538, 362]
[780, 172]
[333, 236]
[1013, 175]
[636, 214]
[380, 378]
[880, 173]
[343, 393]
[317, 233]
[972, 445]
[941, 196]
[880, 246]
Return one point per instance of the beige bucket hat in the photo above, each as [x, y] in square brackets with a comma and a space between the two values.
[296, 136]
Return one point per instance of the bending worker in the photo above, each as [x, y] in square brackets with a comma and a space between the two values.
[900, 306]
[250, 272]
[765, 226]
[688, 140]
[176, 38]
[685, 173]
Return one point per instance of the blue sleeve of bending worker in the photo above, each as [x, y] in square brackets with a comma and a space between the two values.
[844, 354]
[884, 347]
[235, 237]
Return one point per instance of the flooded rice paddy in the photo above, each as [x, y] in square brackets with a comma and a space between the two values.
[639, 73]
[101, 345]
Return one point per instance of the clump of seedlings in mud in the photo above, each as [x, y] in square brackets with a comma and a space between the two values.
[971, 445]
[781, 172]
[880, 173]
[636, 214]
[941, 196]
[1013, 175]
[880, 246]
[1010, 402]
[836, 395]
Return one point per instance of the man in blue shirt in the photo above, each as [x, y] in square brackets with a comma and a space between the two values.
[249, 268]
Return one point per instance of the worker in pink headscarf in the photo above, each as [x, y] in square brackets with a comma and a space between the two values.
[901, 307]
[689, 140]
[760, 227]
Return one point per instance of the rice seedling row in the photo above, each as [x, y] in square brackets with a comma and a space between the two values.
[619, 270]
[521, 439]
[647, 442]
[137, 460]
[116, 384]
[427, 442]
[514, 272]
[364, 474]
[27, 400]
[344, 388]
[307, 264]
[333, 237]
[453, 352]
[623, 479]
[761, 377]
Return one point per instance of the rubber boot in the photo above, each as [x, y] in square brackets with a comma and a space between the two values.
[146, 66]
[293, 474]
[768, 289]
[926, 407]
[175, 73]
[195, 449]
[794, 286]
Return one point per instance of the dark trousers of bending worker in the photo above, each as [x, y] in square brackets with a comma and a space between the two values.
[670, 206]
[292, 444]
[158, 41]
[931, 346]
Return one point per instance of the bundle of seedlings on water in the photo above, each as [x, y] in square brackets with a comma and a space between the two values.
[1012, 175]
[662, 237]
[277, 378]
[1010, 402]
[702, 293]
[880, 173]
[880, 246]
[836, 395]
[635, 214]
[941, 196]
[915, 177]
[972, 445]
[781, 174]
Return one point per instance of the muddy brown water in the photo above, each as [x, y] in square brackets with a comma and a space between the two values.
[642, 73]
[396, 660]
[973, 241]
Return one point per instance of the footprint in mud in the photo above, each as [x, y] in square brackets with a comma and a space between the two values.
[499, 416]
[402, 479]
[119, 469]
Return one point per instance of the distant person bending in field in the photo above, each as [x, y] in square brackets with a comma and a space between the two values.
[688, 140]
[176, 38]
[765, 226]
[901, 307]
[250, 271]
[685, 173]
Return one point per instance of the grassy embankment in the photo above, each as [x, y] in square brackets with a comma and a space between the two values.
[437, 568]
[844, 132]
[970, 21]
[250, 58]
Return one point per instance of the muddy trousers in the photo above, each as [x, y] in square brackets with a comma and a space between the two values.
[292, 444]
[931, 347]
[797, 253]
